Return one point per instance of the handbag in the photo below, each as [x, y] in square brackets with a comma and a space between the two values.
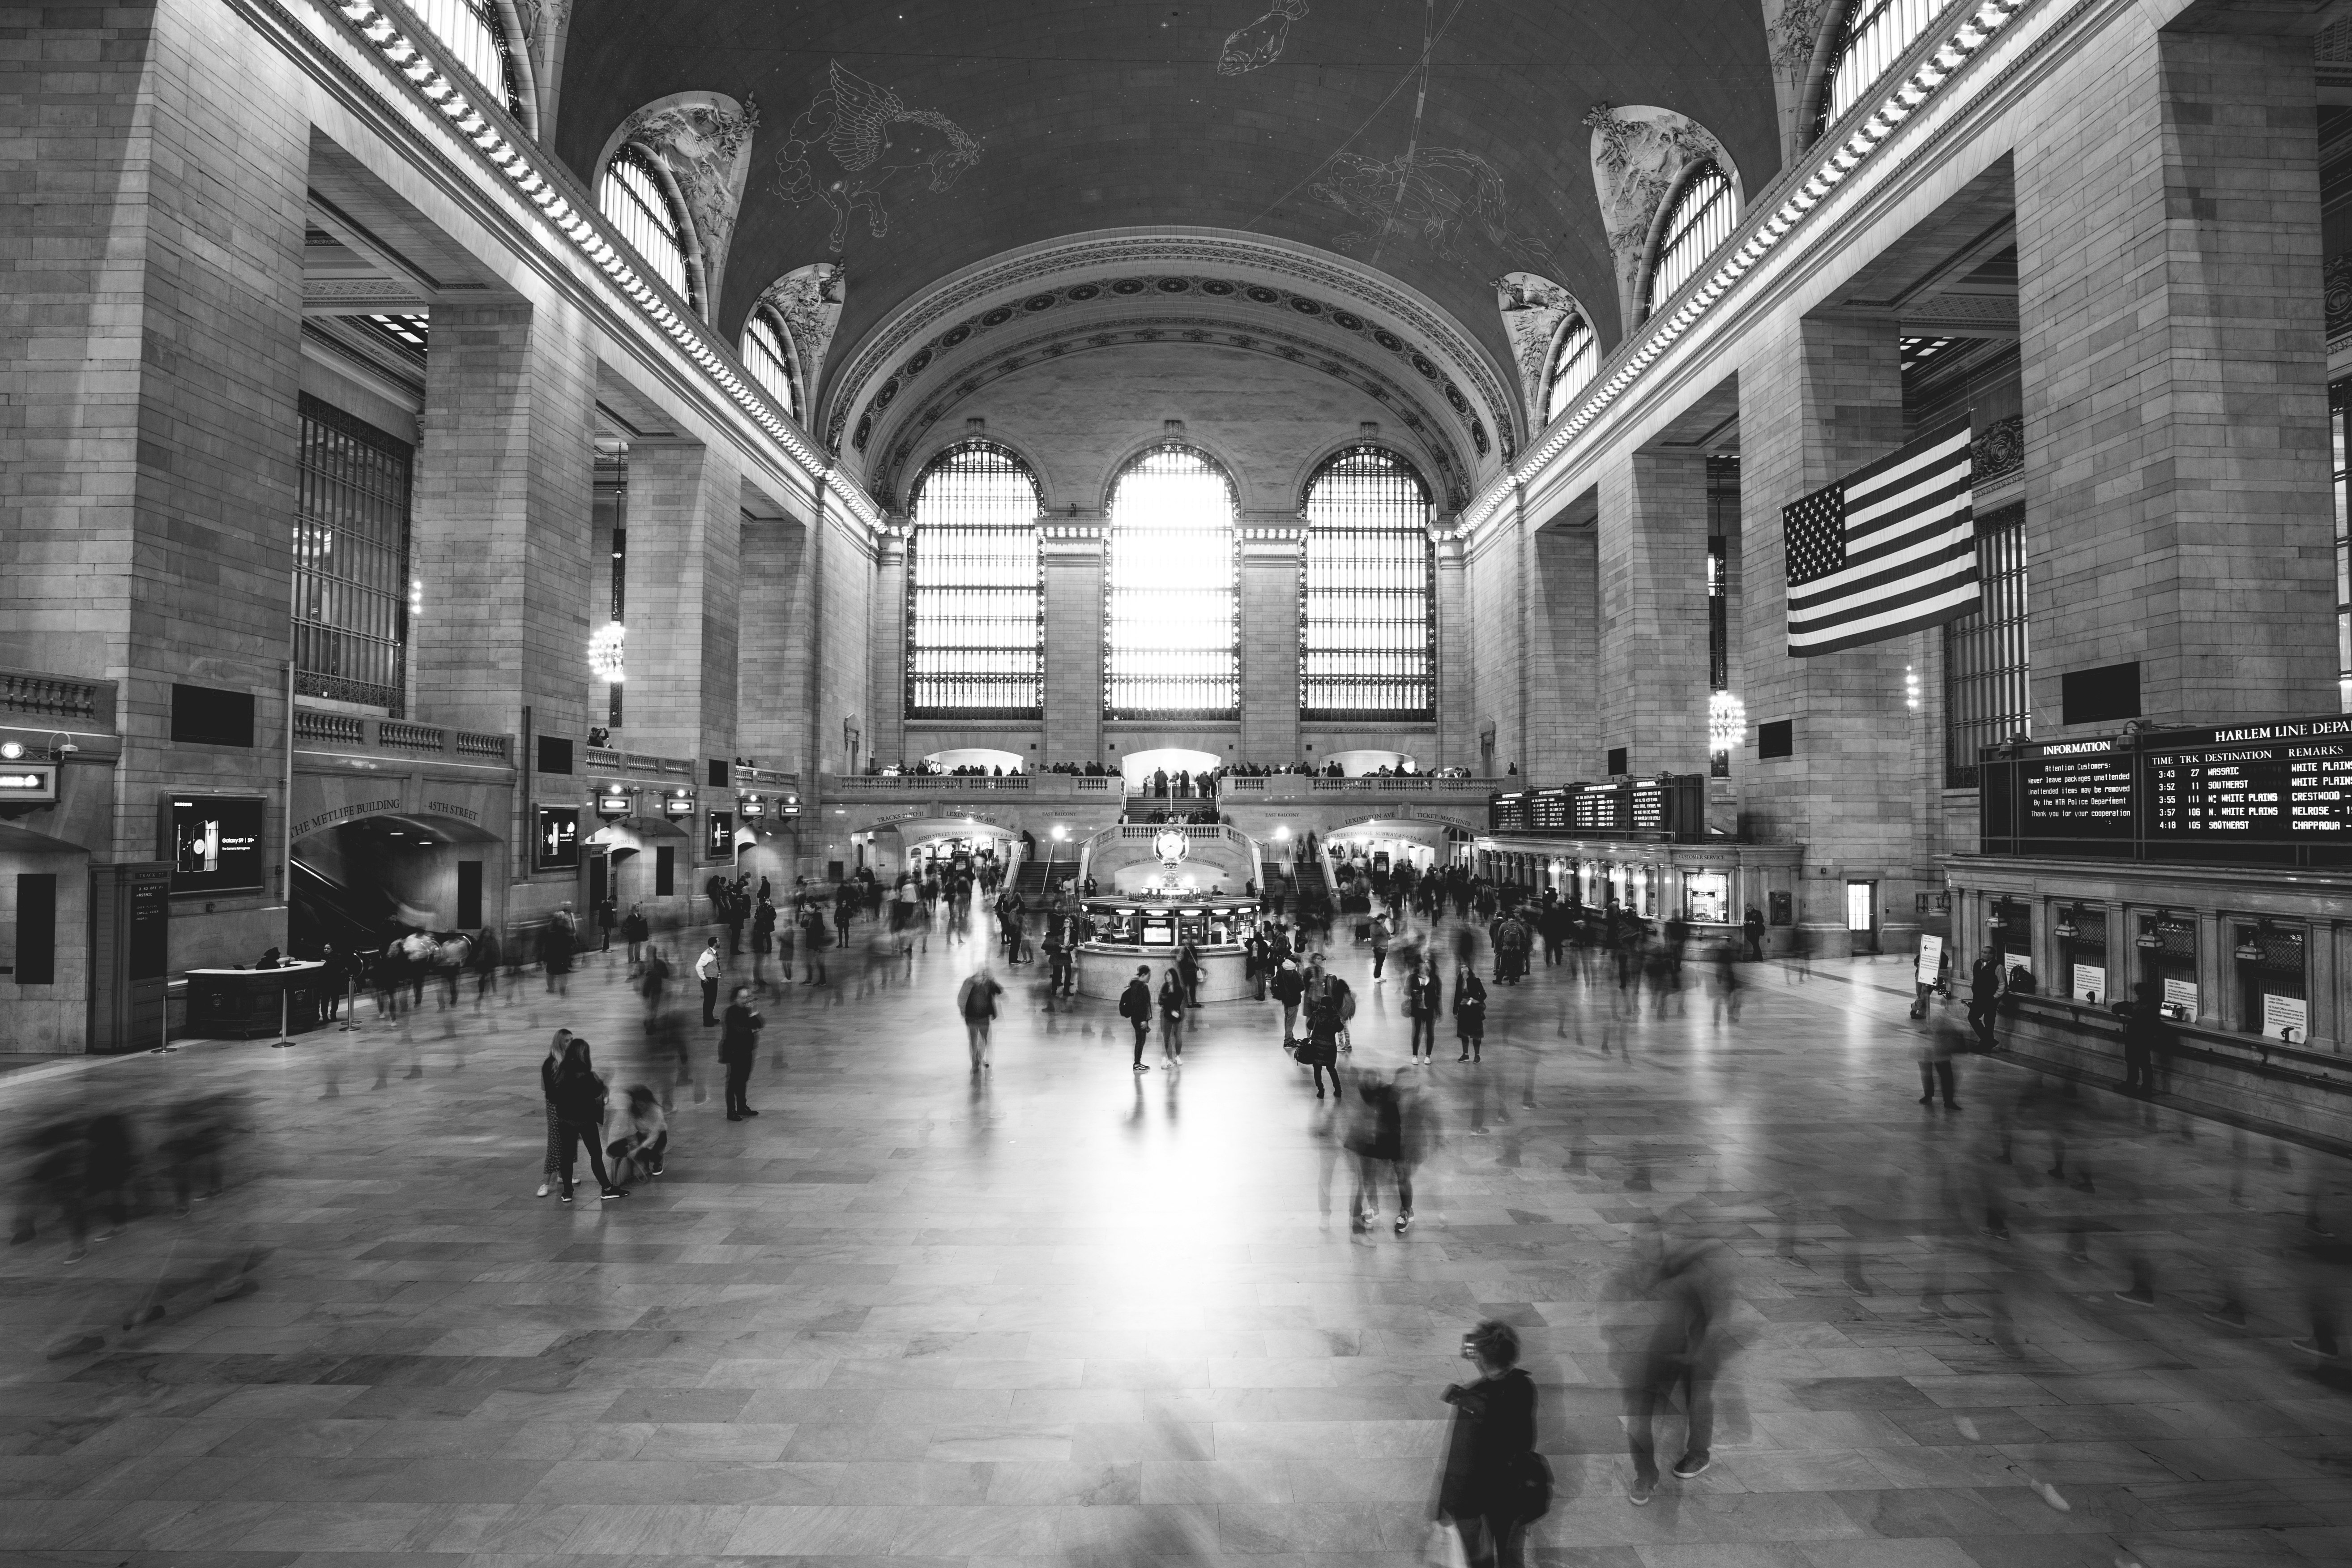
[1534, 1489]
[1443, 1547]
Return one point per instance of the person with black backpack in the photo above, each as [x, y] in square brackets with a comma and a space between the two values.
[1495, 1483]
[1135, 1007]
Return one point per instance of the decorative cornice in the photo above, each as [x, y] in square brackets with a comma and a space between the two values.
[1133, 254]
[1210, 330]
[1934, 60]
[446, 90]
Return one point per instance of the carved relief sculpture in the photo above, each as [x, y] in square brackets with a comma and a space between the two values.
[1533, 308]
[704, 140]
[1638, 155]
[809, 301]
[1793, 33]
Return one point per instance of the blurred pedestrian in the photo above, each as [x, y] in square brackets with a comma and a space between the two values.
[1938, 1047]
[552, 1165]
[1469, 1013]
[1688, 1285]
[635, 930]
[976, 1001]
[1171, 1018]
[1318, 1050]
[580, 1097]
[1494, 1482]
[1288, 984]
[738, 1044]
[1425, 1000]
[637, 1138]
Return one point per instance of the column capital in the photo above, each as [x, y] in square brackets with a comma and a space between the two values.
[1272, 541]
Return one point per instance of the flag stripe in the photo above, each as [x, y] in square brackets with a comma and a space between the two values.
[1891, 548]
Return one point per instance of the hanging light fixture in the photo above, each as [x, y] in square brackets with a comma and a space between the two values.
[1727, 721]
[605, 650]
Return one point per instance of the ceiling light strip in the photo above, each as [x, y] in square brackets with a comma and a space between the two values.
[1703, 293]
[414, 66]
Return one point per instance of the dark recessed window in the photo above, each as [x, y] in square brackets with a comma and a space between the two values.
[719, 779]
[1778, 739]
[2106, 695]
[207, 716]
[554, 754]
[1616, 760]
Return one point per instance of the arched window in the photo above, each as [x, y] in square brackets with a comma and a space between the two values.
[633, 196]
[1701, 218]
[1874, 36]
[1171, 643]
[472, 30]
[1575, 360]
[1368, 639]
[975, 594]
[767, 352]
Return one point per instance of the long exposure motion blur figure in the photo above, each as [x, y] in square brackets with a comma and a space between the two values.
[1676, 1350]
[1495, 1483]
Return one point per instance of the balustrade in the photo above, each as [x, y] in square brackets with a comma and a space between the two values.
[89, 702]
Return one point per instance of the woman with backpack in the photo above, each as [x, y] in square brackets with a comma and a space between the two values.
[579, 1095]
[1319, 1051]
[1495, 1483]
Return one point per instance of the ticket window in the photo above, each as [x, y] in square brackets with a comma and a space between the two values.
[2168, 960]
[2083, 955]
[1708, 895]
[2274, 990]
[2010, 930]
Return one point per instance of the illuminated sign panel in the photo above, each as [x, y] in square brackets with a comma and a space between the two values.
[213, 843]
[27, 781]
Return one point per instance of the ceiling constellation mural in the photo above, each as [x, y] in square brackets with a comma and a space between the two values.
[1260, 44]
[853, 139]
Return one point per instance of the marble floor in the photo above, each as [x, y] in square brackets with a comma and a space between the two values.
[1067, 1314]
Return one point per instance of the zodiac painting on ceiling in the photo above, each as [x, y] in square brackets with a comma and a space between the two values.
[853, 138]
[1260, 44]
[1431, 194]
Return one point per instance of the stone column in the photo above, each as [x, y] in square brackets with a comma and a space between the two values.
[2175, 378]
[1457, 736]
[1563, 653]
[1073, 545]
[1271, 567]
[503, 530]
[686, 528]
[1651, 671]
[886, 676]
[1820, 401]
[149, 369]
[771, 643]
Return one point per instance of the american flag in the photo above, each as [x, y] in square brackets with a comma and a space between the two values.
[1887, 550]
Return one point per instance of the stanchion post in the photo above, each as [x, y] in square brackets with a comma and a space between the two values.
[284, 1009]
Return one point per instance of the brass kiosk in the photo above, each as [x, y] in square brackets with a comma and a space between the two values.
[1123, 932]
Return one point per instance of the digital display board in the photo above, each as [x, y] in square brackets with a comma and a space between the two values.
[1675, 806]
[719, 842]
[558, 845]
[213, 843]
[2265, 793]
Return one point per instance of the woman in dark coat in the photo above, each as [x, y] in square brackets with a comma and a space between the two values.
[1491, 1479]
[1320, 1048]
[579, 1095]
[738, 1042]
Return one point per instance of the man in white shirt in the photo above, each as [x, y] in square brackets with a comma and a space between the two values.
[706, 969]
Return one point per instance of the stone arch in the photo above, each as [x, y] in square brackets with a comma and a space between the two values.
[1641, 156]
[929, 449]
[1303, 474]
[701, 144]
[1234, 474]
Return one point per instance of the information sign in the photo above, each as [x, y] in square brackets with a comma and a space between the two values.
[2286, 1018]
[2180, 1000]
[2090, 981]
[1931, 960]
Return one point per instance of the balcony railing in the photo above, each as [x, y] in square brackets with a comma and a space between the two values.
[65, 698]
[609, 760]
[766, 778]
[325, 726]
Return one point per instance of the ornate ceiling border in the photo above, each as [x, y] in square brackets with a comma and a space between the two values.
[1123, 252]
[1454, 477]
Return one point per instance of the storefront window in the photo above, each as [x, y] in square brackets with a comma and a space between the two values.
[2082, 953]
[1709, 897]
[2274, 996]
[2011, 932]
[2168, 960]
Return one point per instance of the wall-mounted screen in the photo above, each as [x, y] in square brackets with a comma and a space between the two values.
[213, 843]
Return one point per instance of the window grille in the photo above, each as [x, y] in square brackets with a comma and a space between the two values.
[1874, 36]
[1368, 636]
[2339, 427]
[975, 588]
[1171, 636]
[1574, 362]
[351, 562]
[1986, 655]
[471, 30]
[767, 354]
[632, 195]
[1701, 219]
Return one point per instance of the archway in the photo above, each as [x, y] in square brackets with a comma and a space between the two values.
[361, 882]
[985, 758]
[1383, 844]
[1368, 760]
[1138, 767]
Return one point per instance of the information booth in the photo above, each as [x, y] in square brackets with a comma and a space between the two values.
[1121, 933]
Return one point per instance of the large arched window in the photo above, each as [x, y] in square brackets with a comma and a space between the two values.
[473, 31]
[633, 196]
[975, 598]
[1874, 36]
[1171, 643]
[1702, 218]
[767, 354]
[1575, 360]
[1368, 640]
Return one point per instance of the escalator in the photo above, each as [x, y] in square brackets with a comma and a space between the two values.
[325, 910]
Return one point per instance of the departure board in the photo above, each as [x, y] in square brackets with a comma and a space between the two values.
[1675, 806]
[1548, 810]
[2278, 793]
[1595, 809]
[1507, 813]
[1648, 807]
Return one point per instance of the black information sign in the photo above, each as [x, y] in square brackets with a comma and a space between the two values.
[1675, 806]
[149, 954]
[2280, 793]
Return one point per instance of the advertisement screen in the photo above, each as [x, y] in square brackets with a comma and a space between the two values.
[215, 844]
[558, 848]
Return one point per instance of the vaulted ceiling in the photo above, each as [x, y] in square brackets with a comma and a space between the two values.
[1439, 144]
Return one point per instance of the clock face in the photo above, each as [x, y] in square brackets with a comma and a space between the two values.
[1170, 846]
